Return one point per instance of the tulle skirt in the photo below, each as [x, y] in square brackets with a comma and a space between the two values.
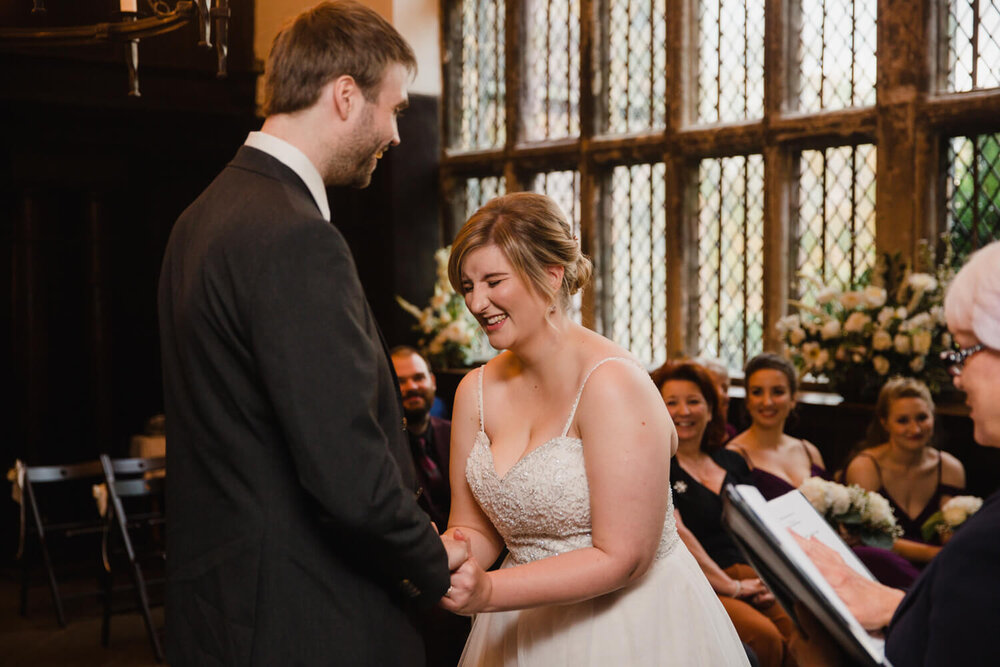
[671, 616]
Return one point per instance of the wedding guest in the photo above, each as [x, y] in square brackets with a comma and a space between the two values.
[914, 477]
[700, 469]
[561, 451]
[780, 463]
[719, 373]
[429, 436]
[951, 614]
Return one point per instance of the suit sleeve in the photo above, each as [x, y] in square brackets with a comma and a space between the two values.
[310, 328]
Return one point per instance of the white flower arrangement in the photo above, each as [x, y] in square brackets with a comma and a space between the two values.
[450, 337]
[857, 338]
[952, 514]
[865, 514]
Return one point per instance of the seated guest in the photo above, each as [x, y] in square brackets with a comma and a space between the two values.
[951, 615]
[914, 477]
[780, 463]
[701, 468]
[430, 442]
[719, 373]
[430, 437]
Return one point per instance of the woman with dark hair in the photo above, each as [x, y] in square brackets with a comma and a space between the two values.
[780, 463]
[701, 468]
[914, 477]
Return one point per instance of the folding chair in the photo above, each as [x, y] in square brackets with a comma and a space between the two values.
[69, 512]
[136, 483]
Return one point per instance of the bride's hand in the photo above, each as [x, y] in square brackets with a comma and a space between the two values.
[458, 548]
[470, 589]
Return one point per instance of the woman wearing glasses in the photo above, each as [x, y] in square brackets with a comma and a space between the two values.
[951, 615]
[914, 477]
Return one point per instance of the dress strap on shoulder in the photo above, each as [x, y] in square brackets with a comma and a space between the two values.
[479, 397]
[878, 468]
[745, 454]
[576, 402]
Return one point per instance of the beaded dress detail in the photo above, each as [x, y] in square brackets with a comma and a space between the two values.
[541, 508]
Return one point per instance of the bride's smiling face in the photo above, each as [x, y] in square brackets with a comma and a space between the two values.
[503, 304]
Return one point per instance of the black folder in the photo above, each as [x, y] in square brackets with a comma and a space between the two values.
[779, 565]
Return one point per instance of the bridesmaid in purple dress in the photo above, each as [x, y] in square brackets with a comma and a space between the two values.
[780, 463]
[914, 477]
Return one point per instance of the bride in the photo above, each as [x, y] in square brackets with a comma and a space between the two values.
[560, 451]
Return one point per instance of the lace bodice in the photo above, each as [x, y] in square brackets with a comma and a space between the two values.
[541, 506]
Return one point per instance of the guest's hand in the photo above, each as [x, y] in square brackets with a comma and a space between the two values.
[871, 603]
[470, 589]
[458, 547]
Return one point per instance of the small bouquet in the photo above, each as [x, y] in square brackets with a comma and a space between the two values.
[952, 514]
[851, 509]
[450, 335]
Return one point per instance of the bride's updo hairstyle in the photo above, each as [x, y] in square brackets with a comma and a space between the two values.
[532, 233]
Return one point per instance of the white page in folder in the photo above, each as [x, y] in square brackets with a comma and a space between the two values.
[791, 514]
[794, 511]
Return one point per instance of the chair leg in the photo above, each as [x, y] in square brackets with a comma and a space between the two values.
[140, 589]
[56, 600]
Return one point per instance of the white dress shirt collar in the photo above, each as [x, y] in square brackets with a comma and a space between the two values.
[295, 160]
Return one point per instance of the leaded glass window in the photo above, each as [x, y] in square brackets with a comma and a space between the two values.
[730, 258]
[836, 54]
[973, 47]
[634, 261]
[551, 95]
[836, 215]
[477, 78]
[634, 66]
[730, 60]
[974, 191]
[478, 191]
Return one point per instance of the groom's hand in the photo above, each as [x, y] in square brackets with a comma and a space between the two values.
[458, 548]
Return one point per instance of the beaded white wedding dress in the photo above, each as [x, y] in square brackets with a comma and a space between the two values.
[541, 508]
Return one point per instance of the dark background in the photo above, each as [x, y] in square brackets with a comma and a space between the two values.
[91, 182]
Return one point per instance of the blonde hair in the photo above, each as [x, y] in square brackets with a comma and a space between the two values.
[533, 235]
[896, 388]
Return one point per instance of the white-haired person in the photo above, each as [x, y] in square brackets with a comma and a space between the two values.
[951, 614]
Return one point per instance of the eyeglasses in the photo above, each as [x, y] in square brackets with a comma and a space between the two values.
[956, 358]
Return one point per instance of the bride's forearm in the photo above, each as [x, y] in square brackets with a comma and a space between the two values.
[483, 547]
[570, 577]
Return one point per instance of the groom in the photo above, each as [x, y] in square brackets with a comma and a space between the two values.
[294, 534]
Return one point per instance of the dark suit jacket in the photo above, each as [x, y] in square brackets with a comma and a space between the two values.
[293, 533]
[437, 504]
[950, 615]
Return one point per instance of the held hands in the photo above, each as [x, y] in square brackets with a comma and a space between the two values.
[753, 591]
[470, 585]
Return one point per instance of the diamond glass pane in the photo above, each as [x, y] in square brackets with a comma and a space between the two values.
[730, 60]
[551, 94]
[837, 54]
[635, 70]
[973, 34]
[564, 188]
[478, 191]
[634, 278]
[730, 258]
[836, 216]
[974, 192]
[480, 121]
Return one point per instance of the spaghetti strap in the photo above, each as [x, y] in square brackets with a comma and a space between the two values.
[878, 469]
[746, 456]
[479, 396]
[576, 403]
[940, 462]
[808, 455]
